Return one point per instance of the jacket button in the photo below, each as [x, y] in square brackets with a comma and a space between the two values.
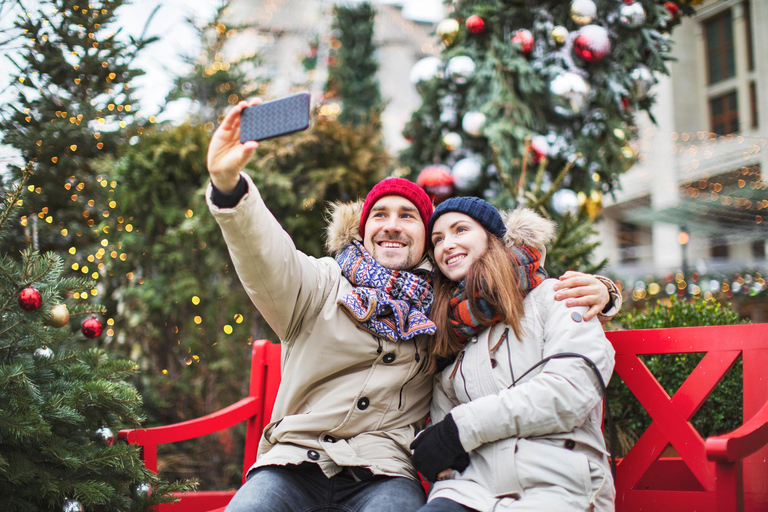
[576, 317]
[363, 403]
[570, 444]
[329, 439]
[388, 358]
[493, 363]
[313, 455]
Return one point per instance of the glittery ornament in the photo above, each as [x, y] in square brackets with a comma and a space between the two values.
[425, 69]
[673, 9]
[565, 201]
[524, 39]
[437, 182]
[141, 491]
[460, 69]
[583, 11]
[559, 34]
[448, 31]
[592, 43]
[633, 15]
[569, 94]
[539, 148]
[475, 24]
[30, 299]
[43, 354]
[104, 436]
[466, 174]
[70, 505]
[472, 123]
[59, 315]
[452, 141]
[91, 327]
[592, 203]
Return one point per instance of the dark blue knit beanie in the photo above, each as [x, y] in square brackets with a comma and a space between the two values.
[482, 211]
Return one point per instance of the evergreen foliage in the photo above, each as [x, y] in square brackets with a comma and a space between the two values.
[74, 101]
[353, 75]
[722, 411]
[51, 405]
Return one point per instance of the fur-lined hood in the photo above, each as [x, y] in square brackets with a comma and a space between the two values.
[524, 227]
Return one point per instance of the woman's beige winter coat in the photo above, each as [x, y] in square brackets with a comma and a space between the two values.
[346, 398]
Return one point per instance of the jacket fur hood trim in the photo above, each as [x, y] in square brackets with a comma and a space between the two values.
[524, 227]
[343, 226]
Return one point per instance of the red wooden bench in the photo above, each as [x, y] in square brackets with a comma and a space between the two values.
[726, 473]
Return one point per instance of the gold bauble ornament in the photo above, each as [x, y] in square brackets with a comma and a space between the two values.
[559, 34]
[59, 315]
[448, 30]
[592, 203]
[627, 156]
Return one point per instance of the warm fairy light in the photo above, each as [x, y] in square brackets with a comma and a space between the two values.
[72, 250]
[84, 269]
[91, 258]
[129, 275]
[64, 232]
[123, 257]
[189, 214]
[195, 300]
[238, 318]
[129, 227]
[228, 329]
[75, 266]
[94, 291]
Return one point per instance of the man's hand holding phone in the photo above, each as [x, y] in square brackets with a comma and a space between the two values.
[235, 141]
[226, 155]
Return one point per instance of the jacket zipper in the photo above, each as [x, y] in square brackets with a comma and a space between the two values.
[456, 366]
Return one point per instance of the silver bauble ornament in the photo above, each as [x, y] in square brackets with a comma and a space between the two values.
[460, 69]
[583, 11]
[104, 436]
[472, 123]
[70, 505]
[569, 92]
[424, 70]
[141, 490]
[559, 34]
[565, 201]
[642, 81]
[43, 354]
[632, 15]
[452, 141]
[466, 174]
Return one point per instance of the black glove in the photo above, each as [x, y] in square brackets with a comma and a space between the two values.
[439, 448]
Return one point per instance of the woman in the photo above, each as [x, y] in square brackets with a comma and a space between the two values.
[513, 428]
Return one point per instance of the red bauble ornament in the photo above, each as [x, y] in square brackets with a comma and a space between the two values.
[437, 182]
[592, 43]
[475, 24]
[30, 299]
[539, 148]
[91, 327]
[673, 9]
[524, 38]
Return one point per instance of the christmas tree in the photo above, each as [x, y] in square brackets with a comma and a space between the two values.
[534, 104]
[73, 102]
[62, 399]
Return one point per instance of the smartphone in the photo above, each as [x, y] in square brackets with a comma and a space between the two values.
[275, 118]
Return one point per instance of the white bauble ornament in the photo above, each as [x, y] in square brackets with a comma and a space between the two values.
[632, 15]
[565, 201]
[466, 174]
[70, 505]
[642, 81]
[583, 11]
[424, 70]
[460, 69]
[43, 354]
[570, 93]
[472, 123]
[452, 141]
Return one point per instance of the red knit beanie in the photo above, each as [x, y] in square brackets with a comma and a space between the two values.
[397, 187]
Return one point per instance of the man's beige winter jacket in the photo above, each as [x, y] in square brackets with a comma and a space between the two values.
[346, 398]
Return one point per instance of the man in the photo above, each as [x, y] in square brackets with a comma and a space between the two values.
[354, 331]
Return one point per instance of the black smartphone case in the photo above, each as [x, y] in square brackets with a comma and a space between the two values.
[275, 118]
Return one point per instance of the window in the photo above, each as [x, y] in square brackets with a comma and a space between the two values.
[629, 242]
[758, 249]
[718, 248]
[724, 113]
[721, 63]
[748, 34]
[753, 103]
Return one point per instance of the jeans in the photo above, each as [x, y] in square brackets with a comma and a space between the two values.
[305, 488]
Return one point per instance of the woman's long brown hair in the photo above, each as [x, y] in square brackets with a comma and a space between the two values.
[492, 277]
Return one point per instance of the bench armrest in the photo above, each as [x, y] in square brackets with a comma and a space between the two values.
[239, 411]
[742, 442]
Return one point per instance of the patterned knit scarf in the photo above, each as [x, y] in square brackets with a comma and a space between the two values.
[464, 321]
[391, 304]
